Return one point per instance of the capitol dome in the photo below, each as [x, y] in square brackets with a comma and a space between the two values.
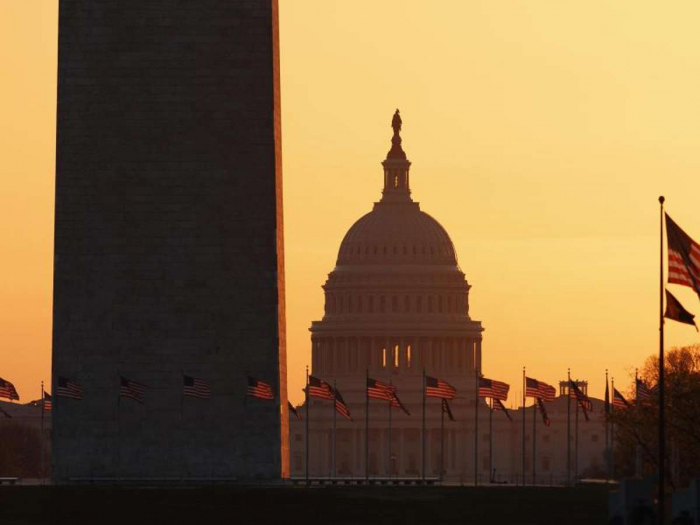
[397, 234]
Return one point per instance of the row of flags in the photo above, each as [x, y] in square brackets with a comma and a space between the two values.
[130, 389]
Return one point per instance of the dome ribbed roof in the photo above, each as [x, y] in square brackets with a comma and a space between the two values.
[397, 234]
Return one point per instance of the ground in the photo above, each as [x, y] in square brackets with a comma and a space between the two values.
[310, 506]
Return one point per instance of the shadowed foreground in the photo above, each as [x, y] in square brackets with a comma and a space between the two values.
[338, 505]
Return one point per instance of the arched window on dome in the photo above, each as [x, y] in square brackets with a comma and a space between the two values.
[396, 356]
[384, 357]
[396, 181]
[408, 356]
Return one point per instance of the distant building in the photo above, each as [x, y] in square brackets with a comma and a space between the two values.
[397, 303]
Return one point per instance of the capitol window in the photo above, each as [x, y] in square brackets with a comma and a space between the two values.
[383, 357]
[396, 356]
[408, 356]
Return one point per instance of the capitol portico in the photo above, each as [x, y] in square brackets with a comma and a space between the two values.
[396, 304]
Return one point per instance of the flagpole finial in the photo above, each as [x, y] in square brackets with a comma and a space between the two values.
[662, 199]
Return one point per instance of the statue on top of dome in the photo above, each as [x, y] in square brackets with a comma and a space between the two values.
[396, 122]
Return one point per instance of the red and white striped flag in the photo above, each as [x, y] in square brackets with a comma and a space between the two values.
[319, 388]
[341, 407]
[47, 401]
[68, 388]
[379, 390]
[435, 387]
[8, 390]
[194, 387]
[498, 405]
[539, 389]
[260, 389]
[493, 389]
[396, 403]
[131, 389]
[683, 257]
[619, 400]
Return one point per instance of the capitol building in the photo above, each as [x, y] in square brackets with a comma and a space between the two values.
[396, 306]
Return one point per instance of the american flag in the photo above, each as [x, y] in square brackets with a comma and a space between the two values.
[47, 401]
[131, 389]
[319, 388]
[581, 398]
[643, 391]
[260, 389]
[446, 409]
[543, 411]
[683, 257]
[193, 387]
[340, 406]
[69, 388]
[539, 389]
[379, 390]
[435, 387]
[493, 389]
[293, 410]
[498, 405]
[396, 403]
[619, 400]
[8, 390]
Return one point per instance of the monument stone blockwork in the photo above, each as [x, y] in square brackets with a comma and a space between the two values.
[169, 239]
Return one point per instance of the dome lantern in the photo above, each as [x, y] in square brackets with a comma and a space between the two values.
[396, 168]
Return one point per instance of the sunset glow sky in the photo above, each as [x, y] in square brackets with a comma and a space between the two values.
[541, 135]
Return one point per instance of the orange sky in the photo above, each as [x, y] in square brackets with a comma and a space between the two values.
[541, 134]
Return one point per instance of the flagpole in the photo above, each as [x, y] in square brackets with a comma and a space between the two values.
[43, 409]
[335, 411]
[422, 434]
[442, 438]
[476, 427]
[391, 470]
[534, 443]
[637, 448]
[491, 442]
[576, 445]
[607, 426]
[568, 427]
[308, 417]
[523, 436]
[366, 426]
[612, 433]
[662, 422]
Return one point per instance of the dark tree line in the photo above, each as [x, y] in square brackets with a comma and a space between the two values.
[636, 428]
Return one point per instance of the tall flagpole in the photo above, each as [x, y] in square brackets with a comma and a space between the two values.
[662, 421]
[568, 427]
[308, 417]
[335, 425]
[491, 442]
[607, 425]
[422, 433]
[612, 433]
[391, 470]
[43, 409]
[523, 436]
[366, 426]
[476, 427]
[576, 445]
[534, 443]
[442, 438]
[637, 449]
